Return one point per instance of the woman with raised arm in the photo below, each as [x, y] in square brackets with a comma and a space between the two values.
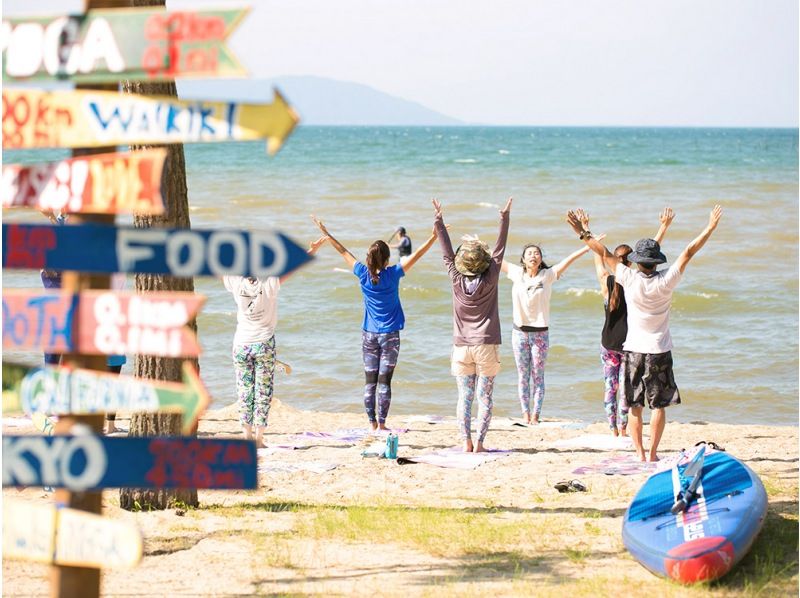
[383, 319]
[254, 346]
[530, 338]
[474, 275]
[615, 328]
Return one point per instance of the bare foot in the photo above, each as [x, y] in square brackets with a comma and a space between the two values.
[479, 448]
[382, 427]
[641, 455]
[110, 428]
[535, 420]
[374, 425]
[623, 431]
[614, 432]
[468, 446]
[527, 418]
[653, 458]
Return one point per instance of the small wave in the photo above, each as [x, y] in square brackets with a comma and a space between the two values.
[465, 161]
[486, 204]
[504, 152]
[582, 292]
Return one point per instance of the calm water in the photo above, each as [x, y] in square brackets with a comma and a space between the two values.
[734, 318]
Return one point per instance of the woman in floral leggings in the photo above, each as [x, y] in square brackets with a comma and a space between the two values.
[383, 319]
[530, 294]
[254, 346]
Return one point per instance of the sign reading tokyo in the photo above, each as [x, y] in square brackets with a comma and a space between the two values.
[110, 45]
[175, 251]
[100, 184]
[84, 118]
[91, 462]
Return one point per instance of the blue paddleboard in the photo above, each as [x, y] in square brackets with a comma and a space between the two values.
[706, 540]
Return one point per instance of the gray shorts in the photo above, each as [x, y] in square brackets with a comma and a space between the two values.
[648, 376]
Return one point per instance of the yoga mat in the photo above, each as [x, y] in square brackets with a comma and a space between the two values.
[596, 441]
[455, 458]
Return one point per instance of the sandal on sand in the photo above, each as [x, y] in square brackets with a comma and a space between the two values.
[711, 444]
[571, 486]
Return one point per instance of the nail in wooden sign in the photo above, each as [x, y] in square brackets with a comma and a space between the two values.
[88, 462]
[175, 251]
[117, 183]
[62, 536]
[100, 322]
[104, 46]
[87, 118]
[64, 390]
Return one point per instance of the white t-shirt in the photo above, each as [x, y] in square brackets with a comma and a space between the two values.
[649, 299]
[530, 296]
[257, 308]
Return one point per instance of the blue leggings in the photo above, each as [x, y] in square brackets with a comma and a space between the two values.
[380, 353]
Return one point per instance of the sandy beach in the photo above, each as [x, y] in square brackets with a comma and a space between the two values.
[327, 521]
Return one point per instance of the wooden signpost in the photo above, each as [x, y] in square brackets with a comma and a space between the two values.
[175, 251]
[116, 183]
[87, 118]
[100, 322]
[62, 536]
[88, 462]
[64, 390]
[103, 46]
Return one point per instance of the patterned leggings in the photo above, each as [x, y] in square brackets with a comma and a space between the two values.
[466, 394]
[255, 368]
[611, 364]
[530, 353]
[380, 353]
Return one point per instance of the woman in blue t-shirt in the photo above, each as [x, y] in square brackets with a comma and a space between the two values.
[383, 318]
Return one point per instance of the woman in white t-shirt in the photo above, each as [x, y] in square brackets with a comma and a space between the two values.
[254, 346]
[530, 296]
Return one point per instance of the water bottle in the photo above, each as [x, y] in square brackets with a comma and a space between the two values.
[391, 446]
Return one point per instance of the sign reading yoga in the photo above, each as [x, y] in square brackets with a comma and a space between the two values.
[101, 322]
[65, 390]
[111, 45]
[100, 184]
[84, 118]
[175, 251]
[90, 462]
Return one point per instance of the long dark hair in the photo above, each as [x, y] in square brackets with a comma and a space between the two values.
[542, 264]
[621, 251]
[377, 256]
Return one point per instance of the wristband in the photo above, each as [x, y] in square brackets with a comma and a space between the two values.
[585, 235]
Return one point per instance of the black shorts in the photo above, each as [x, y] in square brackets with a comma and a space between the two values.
[648, 376]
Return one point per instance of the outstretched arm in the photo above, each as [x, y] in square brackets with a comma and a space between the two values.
[313, 247]
[408, 262]
[697, 244]
[665, 217]
[346, 255]
[599, 266]
[502, 236]
[594, 244]
[562, 266]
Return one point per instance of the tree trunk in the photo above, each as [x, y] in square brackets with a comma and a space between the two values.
[174, 191]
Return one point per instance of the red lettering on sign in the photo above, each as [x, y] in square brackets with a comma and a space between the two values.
[16, 115]
[236, 453]
[184, 27]
[190, 464]
[27, 248]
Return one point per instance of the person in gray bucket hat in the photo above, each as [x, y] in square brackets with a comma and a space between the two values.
[475, 359]
[647, 363]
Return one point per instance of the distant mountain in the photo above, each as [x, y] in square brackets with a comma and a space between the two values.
[320, 101]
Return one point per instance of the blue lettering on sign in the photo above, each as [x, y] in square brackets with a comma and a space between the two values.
[204, 126]
[172, 114]
[10, 322]
[115, 115]
[231, 118]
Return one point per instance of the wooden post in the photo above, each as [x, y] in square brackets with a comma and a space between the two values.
[83, 582]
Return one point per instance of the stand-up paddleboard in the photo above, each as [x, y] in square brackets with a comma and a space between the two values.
[703, 541]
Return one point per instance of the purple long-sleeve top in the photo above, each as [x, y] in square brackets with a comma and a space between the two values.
[476, 318]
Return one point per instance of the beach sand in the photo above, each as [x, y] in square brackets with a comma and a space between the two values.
[371, 526]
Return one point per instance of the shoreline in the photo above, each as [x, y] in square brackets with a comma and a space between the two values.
[302, 511]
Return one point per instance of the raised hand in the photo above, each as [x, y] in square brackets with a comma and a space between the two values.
[319, 224]
[714, 217]
[666, 216]
[575, 222]
[507, 207]
[583, 216]
[315, 245]
[437, 208]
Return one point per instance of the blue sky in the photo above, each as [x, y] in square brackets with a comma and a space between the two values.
[535, 62]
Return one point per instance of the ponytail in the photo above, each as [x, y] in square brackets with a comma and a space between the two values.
[377, 257]
[622, 252]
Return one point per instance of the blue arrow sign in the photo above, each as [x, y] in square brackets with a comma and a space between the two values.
[175, 251]
[91, 462]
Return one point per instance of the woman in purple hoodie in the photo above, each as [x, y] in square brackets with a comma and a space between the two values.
[475, 361]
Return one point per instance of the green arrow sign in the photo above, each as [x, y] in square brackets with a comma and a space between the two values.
[111, 45]
[65, 390]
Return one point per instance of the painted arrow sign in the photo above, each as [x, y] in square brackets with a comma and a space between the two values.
[100, 184]
[90, 462]
[63, 390]
[84, 118]
[105, 46]
[175, 251]
[100, 322]
[62, 536]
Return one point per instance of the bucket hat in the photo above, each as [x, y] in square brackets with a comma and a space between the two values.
[472, 257]
[647, 253]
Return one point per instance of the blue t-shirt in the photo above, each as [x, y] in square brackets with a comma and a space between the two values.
[382, 310]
